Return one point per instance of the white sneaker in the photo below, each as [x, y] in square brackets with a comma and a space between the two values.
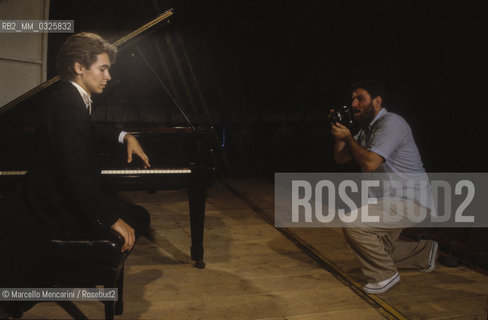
[382, 286]
[433, 255]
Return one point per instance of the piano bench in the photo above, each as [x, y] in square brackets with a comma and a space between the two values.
[87, 262]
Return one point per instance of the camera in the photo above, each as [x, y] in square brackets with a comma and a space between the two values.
[343, 115]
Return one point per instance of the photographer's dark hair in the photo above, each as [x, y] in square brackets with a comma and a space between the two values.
[83, 48]
[374, 87]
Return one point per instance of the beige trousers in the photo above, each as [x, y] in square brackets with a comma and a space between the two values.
[378, 248]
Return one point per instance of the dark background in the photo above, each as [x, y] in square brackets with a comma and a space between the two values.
[269, 71]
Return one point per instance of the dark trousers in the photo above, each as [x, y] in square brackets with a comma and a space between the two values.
[135, 216]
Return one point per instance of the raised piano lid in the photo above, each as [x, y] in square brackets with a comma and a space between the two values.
[47, 84]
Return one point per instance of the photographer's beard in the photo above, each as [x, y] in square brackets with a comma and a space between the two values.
[364, 117]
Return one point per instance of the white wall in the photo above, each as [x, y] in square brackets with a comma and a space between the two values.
[23, 56]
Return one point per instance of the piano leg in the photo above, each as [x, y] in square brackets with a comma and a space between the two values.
[197, 193]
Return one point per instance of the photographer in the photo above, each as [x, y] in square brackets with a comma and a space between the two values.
[383, 144]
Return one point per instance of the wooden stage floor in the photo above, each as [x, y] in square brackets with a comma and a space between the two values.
[255, 271]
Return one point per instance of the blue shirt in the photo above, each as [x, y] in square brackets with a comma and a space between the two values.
[390, 136]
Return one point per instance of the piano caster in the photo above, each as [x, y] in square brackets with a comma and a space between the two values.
[199, 264]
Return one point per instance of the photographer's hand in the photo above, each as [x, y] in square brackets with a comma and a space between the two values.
[341, 152]
[340, 132]
[331, 111]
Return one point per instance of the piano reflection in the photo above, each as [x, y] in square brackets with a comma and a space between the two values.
[181, 157]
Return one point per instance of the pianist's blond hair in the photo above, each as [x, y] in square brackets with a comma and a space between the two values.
[83, 48]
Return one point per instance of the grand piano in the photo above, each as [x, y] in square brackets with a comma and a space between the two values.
[181, 157]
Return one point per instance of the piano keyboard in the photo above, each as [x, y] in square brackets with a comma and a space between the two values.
[12, 173]
[147, 171]
[117, 172]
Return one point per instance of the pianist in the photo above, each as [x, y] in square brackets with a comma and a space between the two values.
[61, 193]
